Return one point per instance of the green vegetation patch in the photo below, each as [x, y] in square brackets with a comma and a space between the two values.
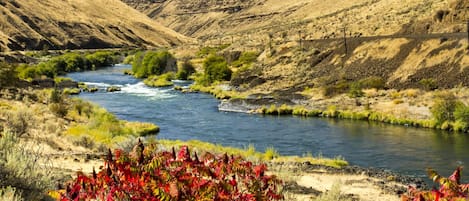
[185, 70]
[206, 51]
[150, 63]
[250, 153]
[22, 171]
[163, 80]
[215, 69]
[245, 60]
[101, 126]
[68, 62]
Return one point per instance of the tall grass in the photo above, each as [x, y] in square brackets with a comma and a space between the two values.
[250, 153]
[103, 127]
[21, 169]
[333, 112]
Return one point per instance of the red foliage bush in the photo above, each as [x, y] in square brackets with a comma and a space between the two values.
[146, 174]
[450, 189]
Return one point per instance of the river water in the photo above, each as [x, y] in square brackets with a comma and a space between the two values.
[187, 116]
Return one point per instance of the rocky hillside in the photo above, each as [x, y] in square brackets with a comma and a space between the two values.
[253, 21]
[301, 41]
[57, 24]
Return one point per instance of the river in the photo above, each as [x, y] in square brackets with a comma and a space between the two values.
[187, 116]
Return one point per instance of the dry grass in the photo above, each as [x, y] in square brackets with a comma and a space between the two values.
[315, 18]
[79, 20]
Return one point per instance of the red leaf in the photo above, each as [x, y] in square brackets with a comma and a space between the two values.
[184, 154]
[456, 176]
[260, 169]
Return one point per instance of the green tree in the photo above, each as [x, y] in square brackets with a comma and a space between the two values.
[152, 63]
[216, 69]
[444, 106]
[74, 62]
[185, 70]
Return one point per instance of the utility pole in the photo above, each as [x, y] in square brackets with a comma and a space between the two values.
[345, 41]
[299, 37]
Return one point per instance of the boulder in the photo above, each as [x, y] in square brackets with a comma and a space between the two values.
[113, 89]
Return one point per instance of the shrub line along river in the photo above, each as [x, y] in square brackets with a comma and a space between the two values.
[187, 116]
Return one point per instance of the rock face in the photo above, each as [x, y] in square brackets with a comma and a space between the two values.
[113, 89]
[79, 24]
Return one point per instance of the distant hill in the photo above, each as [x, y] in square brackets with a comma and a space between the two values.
[72, 24]
[315, 19]
[301, 41]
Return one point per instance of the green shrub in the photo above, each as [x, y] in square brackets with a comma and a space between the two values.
[129, 59]
[55, 96]
[355, 90]
[71, 91]
[103, 127]
[300, 111]
[58, 109]
[69, 62]
[185, 70]
[21, 169]
[150, 63]
[444, 106]
[270, 153]
[206, 51]
[331, 111]
[163, 80]
[74, 62]
[100, 59]
[81, 108]
[272, 110]
[26, 72]
[85, 141]
[284, 110]
[460, 126]
[18, 121]
[428, 84]
[246, 59]
[216, 69]
[340, 87]
[8, 75]
[373, 82]
[142, 128]
[58, 80]
[461, 112]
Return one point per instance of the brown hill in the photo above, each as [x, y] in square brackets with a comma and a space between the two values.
[57, 24]
[315, 19]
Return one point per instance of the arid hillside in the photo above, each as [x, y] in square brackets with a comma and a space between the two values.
[71, 24]
[253, 21]
[301, 42]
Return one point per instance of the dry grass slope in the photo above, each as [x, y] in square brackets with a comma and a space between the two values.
[57, 24]
[252, 21]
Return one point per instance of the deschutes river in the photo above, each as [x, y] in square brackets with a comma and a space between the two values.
[187, 116]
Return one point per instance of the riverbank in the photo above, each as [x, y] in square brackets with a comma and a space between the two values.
[65, 154]
[410, 107]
